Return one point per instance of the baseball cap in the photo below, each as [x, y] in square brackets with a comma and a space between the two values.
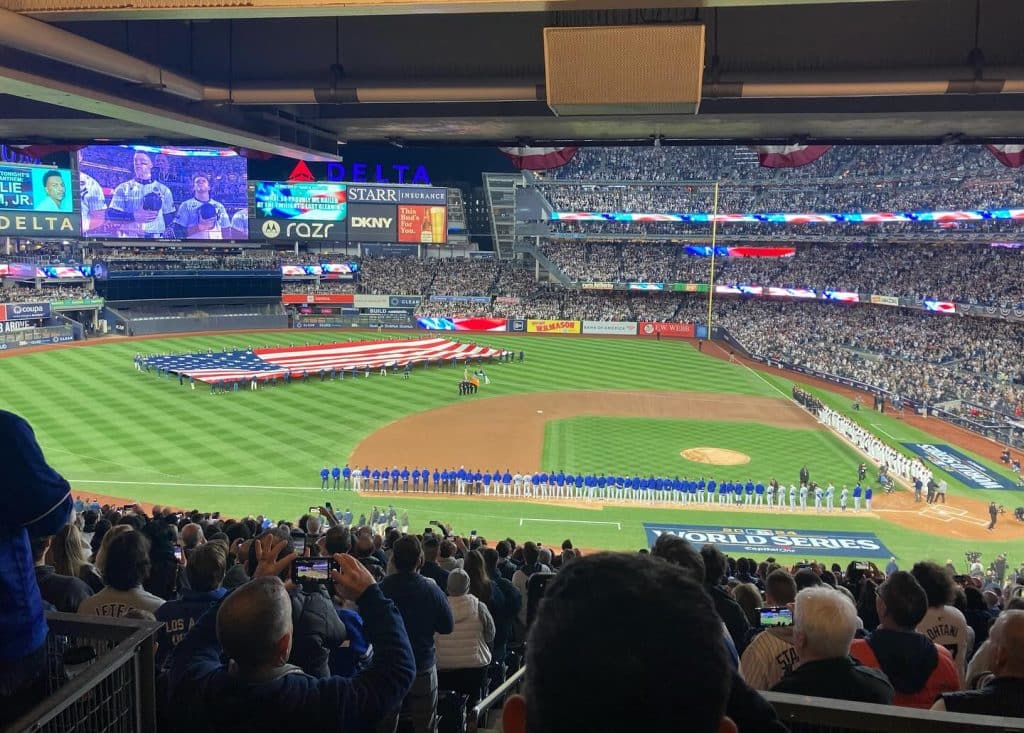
[152, 201]
[458, 582]
[30, 489]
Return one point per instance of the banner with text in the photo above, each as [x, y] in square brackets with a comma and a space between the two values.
[547, 326]
[325, 298]
[804, 543]
[674, 330]
[963, 468]
[372, 301]
[610, 328]
[24, 311]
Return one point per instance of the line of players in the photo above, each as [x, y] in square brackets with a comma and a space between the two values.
[464, 481]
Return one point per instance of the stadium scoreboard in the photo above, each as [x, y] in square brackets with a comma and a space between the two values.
[371, 213]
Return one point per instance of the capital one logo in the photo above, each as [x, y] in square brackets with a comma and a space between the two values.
[371, 222]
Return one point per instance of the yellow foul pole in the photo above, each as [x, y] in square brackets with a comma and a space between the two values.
[711, 278]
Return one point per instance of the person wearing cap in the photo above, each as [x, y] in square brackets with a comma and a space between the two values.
[463, 655]
[35, 501]
[201, 217]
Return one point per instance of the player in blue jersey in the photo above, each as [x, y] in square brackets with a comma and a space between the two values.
[867, 498]
[749, 488]
[325, 475]
[375, 475]
[857, 491]
[758, 494]
[336, 475]
[415, 480]
[346, 476]
[405, 478]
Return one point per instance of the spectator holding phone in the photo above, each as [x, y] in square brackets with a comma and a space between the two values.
[206, 568]
[258, 690]
[771, 655]
[824, 622]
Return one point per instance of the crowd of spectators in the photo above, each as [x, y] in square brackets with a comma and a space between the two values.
[20, 294]
[923, 357]
[974, 274]
[247, 640]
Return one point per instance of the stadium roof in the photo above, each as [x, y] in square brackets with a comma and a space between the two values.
[301, 77]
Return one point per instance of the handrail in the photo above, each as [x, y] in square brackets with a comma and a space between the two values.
[481, 709]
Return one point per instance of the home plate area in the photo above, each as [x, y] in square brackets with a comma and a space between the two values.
[949, 514]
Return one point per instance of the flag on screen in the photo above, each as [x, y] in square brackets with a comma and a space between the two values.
[789, 156]
[1012, 156]
[539, 159]
[267, 363]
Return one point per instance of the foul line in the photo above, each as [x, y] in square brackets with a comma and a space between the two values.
[764, 379]
[618, 525]
[889, 435]
[196, 486]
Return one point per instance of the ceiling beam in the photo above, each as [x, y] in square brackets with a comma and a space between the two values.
[74, 10]
[174, 124]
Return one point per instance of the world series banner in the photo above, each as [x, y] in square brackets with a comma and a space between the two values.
[789, 542]
[963, 468]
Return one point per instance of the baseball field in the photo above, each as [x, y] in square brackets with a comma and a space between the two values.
[617, 406]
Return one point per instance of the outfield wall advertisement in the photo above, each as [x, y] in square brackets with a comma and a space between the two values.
[734, 540]
[675, 330]
[24, 311]
[963, 468]
[463, 324]
[610, 328]
[548, 326]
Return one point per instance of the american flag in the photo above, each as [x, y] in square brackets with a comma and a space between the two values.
[264, 364]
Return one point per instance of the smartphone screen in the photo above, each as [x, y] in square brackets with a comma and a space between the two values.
[312, 569]
[776, 616]
[314, 510]
[300, 543]
[177, 553]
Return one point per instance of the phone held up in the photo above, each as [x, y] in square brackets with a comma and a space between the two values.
[775, 616]
[313, 570]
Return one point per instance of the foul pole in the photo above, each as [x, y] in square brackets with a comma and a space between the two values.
[711, 278]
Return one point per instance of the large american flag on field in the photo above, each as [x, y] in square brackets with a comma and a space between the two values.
[265, 364]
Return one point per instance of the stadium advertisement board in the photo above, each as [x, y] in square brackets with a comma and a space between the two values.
[372, 222]
[404, 301]
[598, 286]
[4, 345]
[891, 300]
[76, 303]
[300, 201]
[732, 540]
[422, 224]
[24, 311]
[37, 201]
[372, 301]
[325, 298]
[548, 326]
[463, 324]
[610, 328]
[690, 287]
[656, 328]
[517, 325]
[965, 469]
[461, 299]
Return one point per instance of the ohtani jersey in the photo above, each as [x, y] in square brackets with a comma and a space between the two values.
[948, 628]
[129, 196]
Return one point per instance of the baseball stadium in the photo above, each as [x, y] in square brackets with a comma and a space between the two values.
[421, 366]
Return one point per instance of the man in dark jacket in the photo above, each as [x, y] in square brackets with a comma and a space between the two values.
[425, 611]
[63, 591]
[317, 630]
[430, 567]
[505, 614]
[258, 690]
[824, 622]
[714, 574]
[1004, 693]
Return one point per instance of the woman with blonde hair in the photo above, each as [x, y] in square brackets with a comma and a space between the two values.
[101, 553]
[70, 556]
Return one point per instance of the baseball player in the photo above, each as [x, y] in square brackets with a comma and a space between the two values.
[140, 206]
[792, 497]
[709, 496]
[758, 494]
[201, 217]
[844, 496]
[749, 489]
[336, 475]
[770, 493]
[803, 497]
[867, 498]
[857, 491]
[818, 495]
[830, 496]
[325, 475]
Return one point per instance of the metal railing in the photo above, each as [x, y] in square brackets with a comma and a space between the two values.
[822, 715]
[99, 677]
[477, 718]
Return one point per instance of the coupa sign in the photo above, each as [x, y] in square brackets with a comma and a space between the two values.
[808, 542]
[964, 469]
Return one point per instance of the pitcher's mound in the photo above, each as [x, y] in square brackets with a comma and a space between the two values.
[715, 456]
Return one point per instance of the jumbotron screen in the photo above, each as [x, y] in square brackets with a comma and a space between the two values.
[150, 192]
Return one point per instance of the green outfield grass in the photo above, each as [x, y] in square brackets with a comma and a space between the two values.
[113, 430]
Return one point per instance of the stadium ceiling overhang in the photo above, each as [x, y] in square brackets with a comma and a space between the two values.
[61, 10]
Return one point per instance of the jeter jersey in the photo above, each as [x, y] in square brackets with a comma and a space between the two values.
[128, 198]
[767, 659]
[188, 216]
